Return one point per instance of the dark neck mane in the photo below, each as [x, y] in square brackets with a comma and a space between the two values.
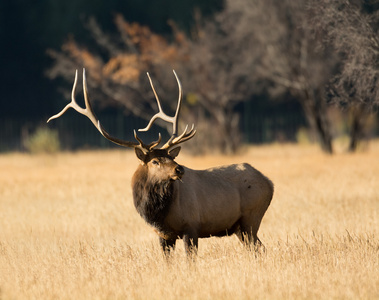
[152, 199]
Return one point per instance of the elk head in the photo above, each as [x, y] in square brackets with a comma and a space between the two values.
[159, 161]
[160, 165]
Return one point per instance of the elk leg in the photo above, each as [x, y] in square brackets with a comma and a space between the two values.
[247, 237]
[167, 245]
[248, 232]
[190, 243]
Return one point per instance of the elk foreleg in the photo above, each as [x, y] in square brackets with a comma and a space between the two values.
[190, 240]
[167, 245]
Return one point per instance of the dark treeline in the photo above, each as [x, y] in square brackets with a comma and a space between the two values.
[29, 28]
[314, 53]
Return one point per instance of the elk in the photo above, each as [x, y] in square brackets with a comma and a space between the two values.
[180, 202]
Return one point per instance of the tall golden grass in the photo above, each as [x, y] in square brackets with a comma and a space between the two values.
[69, 230]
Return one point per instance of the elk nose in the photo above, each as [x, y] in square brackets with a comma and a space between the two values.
[179, 170]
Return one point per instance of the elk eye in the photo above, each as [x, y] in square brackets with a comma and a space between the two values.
[155, 162]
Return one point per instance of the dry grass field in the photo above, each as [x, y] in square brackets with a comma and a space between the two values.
[69, 230]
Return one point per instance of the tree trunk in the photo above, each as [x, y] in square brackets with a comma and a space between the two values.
[316, 114]
[231, 138]
[228, 130]
[359, 119]
[323, 130]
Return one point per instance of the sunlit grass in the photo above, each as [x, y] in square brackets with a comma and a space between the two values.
[69, 230]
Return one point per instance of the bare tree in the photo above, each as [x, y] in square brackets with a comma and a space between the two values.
[214, 65]
[291, 57]
[222, 64]
[221, 59]
[352, 29]
[252, 41]
[117, 66]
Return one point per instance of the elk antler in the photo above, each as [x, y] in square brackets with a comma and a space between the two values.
[89, 113]
[174, 139]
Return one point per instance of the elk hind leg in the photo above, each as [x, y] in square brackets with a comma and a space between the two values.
[248, 234]
[167, 245]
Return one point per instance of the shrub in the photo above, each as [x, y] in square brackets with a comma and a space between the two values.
[43, 140]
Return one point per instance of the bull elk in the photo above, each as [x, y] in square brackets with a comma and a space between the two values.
[180, 202]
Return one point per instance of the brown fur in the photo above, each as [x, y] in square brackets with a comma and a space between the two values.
[184, 203]
[190, 204]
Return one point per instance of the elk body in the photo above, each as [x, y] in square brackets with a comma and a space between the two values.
[190, 204]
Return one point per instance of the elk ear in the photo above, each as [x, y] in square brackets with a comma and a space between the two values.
[174, 152]
[140, 154]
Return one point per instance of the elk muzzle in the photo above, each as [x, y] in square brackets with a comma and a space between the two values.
[178, 173]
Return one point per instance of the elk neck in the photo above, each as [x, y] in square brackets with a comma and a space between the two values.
[152, 199]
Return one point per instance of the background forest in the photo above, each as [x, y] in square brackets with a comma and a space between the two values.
[238, 61]
[297, 77]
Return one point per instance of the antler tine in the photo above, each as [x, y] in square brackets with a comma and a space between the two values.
[180, 97]
[174, 139]
[149, 146]
[72, 104]
[89, 113]
[160, 114]
[185, 136]
[155, 143]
